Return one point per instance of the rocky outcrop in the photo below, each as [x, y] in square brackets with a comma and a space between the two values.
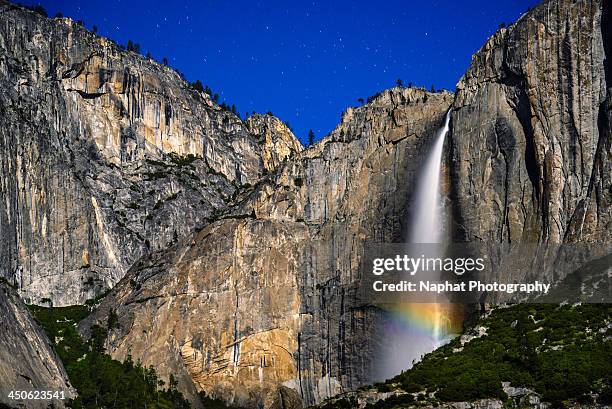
[531, 130]
[247, 250]
[106, 155]
[27, 360]
[277, 140]
[528, 161]
[265, 296]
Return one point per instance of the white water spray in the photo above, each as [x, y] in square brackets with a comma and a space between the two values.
[428, 324]
[427, 217]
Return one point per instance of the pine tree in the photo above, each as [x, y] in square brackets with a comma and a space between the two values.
[197, 85]
[311, 137]
[132, 46]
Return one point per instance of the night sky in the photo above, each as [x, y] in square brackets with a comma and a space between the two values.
[304, 61]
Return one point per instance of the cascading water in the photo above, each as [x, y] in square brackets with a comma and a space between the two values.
[427, 218]
[413, 330]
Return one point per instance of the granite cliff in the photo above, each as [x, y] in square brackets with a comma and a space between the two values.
[275, 276]
[234, 252]
[27, 360]
[528, 161]
[531, 141]
[531, 133]
[106, 155]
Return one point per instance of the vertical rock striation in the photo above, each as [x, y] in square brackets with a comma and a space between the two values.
[531, 134]
[106, 155]
[243, 252]
[265, 296]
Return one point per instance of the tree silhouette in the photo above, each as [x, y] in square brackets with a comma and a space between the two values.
[132, 46]
[197, 85]
[311, 137]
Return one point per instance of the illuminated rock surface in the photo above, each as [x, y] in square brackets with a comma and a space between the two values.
[243, 258]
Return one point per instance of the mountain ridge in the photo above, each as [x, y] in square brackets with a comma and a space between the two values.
[129, 150]
[235, 253]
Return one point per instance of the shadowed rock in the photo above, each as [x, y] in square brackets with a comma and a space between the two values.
[27, 360]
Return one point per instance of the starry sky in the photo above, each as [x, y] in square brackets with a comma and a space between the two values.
[305, 61]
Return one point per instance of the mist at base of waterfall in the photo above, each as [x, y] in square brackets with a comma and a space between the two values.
[412, 333]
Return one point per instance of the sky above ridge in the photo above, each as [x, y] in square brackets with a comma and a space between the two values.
[305, 61]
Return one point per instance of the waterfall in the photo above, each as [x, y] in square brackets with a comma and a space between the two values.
[413, 330]
[427, 220]
[427, 217]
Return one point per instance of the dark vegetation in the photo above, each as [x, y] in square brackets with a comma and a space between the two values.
[198, 86]
[100, 380]
[558, 351]
[177, 164]
[398, 83]
[561, 352]
[213, 403]
[343, 403]
[311, 137]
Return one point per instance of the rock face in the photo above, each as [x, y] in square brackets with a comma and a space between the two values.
[265, 295]
[531, 131]
[528, 160]
[106, 155]
[277, 140]
[243, 252]
[27, 360]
